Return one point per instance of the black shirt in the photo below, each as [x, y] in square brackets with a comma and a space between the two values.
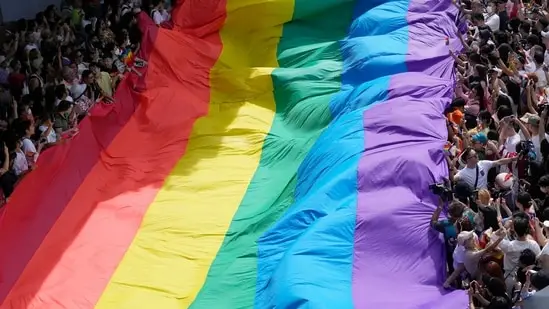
[503, 20]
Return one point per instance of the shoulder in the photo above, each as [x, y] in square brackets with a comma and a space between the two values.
[484, 163]
[535, 247]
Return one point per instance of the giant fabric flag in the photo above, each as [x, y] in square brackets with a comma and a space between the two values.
[274, 154]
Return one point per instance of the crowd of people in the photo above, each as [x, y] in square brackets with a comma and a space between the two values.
[54, 68]
[497, 201]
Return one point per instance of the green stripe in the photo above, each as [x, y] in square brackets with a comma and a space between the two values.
[309, 75]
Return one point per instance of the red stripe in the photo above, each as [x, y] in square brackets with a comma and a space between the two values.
[82, 250]
[42, 196]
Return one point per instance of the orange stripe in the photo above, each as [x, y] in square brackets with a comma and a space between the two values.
[81, 252]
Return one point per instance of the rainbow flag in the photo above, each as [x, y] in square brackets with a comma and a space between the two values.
[274, 154]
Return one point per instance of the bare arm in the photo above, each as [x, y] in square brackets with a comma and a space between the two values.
[542, 121]
[531, 98]
[522, 127]
[436, 214]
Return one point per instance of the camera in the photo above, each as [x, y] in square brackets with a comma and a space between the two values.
[526, 150]
[443, 191]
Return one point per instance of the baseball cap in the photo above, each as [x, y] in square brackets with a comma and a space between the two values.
[463, 237]
[480, 138]
[531, 119]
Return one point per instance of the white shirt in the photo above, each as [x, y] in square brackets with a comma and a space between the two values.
[52, 136]
[492, 21]
[68, 98]
[160, 16]
[511, 143]
[468, 175]
[20, 163]
[512, 250]
[28, 147]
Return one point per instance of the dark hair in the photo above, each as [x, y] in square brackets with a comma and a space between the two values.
[544, 181]
[495, 286]
[60, 91]
[86, 73]
[23, 126]
[63, 106]
[492, 135]
[482, 71]
[521, 224]
[539, 57]
[524, 199]
[477, 17]
[455, 209]
[474, 57]
[527, 257]
[514, 23]
[545, 214]
[458, 102]
[539, 280]
[503, 111]
[532, 39]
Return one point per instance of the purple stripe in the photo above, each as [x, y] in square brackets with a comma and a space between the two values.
[395, 250]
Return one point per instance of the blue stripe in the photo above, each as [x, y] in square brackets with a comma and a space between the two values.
[306, 258]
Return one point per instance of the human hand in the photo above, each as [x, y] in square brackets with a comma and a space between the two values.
[500, 232]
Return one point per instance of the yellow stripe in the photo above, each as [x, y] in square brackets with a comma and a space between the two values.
[183, 229]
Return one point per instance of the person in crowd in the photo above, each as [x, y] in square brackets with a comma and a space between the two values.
[475, 173]
[498, 153]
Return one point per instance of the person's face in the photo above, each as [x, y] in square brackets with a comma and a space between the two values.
[107, 62]
[74, 68]
[476, 7]
[89, 79]
[501, 6]
[532, 128]
[472, 158]
[96, 71]
[544, 189]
